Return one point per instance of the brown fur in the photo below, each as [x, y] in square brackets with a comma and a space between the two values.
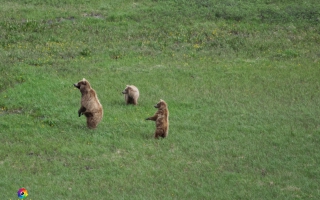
[90, 104]
[161, 117]
[131, 94]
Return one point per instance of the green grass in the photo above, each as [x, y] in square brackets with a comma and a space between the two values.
[241, 79]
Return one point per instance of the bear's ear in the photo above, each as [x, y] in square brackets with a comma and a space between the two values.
[84, 81]
[161, 100]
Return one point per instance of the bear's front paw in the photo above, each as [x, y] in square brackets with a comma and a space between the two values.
[147, 118]
[79, 113]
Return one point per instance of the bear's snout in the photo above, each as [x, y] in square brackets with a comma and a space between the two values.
[76, 85]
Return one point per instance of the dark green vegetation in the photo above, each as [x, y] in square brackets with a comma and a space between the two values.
[241, 79]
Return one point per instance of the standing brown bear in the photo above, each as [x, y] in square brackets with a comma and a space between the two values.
[131, 94]
[161, 117]
[90, 104]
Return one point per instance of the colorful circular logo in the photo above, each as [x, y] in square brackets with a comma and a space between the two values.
[22, 193]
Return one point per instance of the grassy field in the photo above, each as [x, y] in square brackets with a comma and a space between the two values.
[241, 79]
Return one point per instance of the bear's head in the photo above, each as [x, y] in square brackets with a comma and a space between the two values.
[161, 104]
[82, 85]
[127, 90]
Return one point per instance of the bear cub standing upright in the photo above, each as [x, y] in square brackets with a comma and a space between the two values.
[161, 117]
[90, 104]
[131, 94]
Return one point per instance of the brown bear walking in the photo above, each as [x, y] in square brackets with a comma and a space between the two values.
[90, 104]
[131, 94]
[161, 117]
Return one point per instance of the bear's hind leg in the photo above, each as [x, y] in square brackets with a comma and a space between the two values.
[91, 122]
[159, 133]
[130, 100]
[135, 101]
[156, 136]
